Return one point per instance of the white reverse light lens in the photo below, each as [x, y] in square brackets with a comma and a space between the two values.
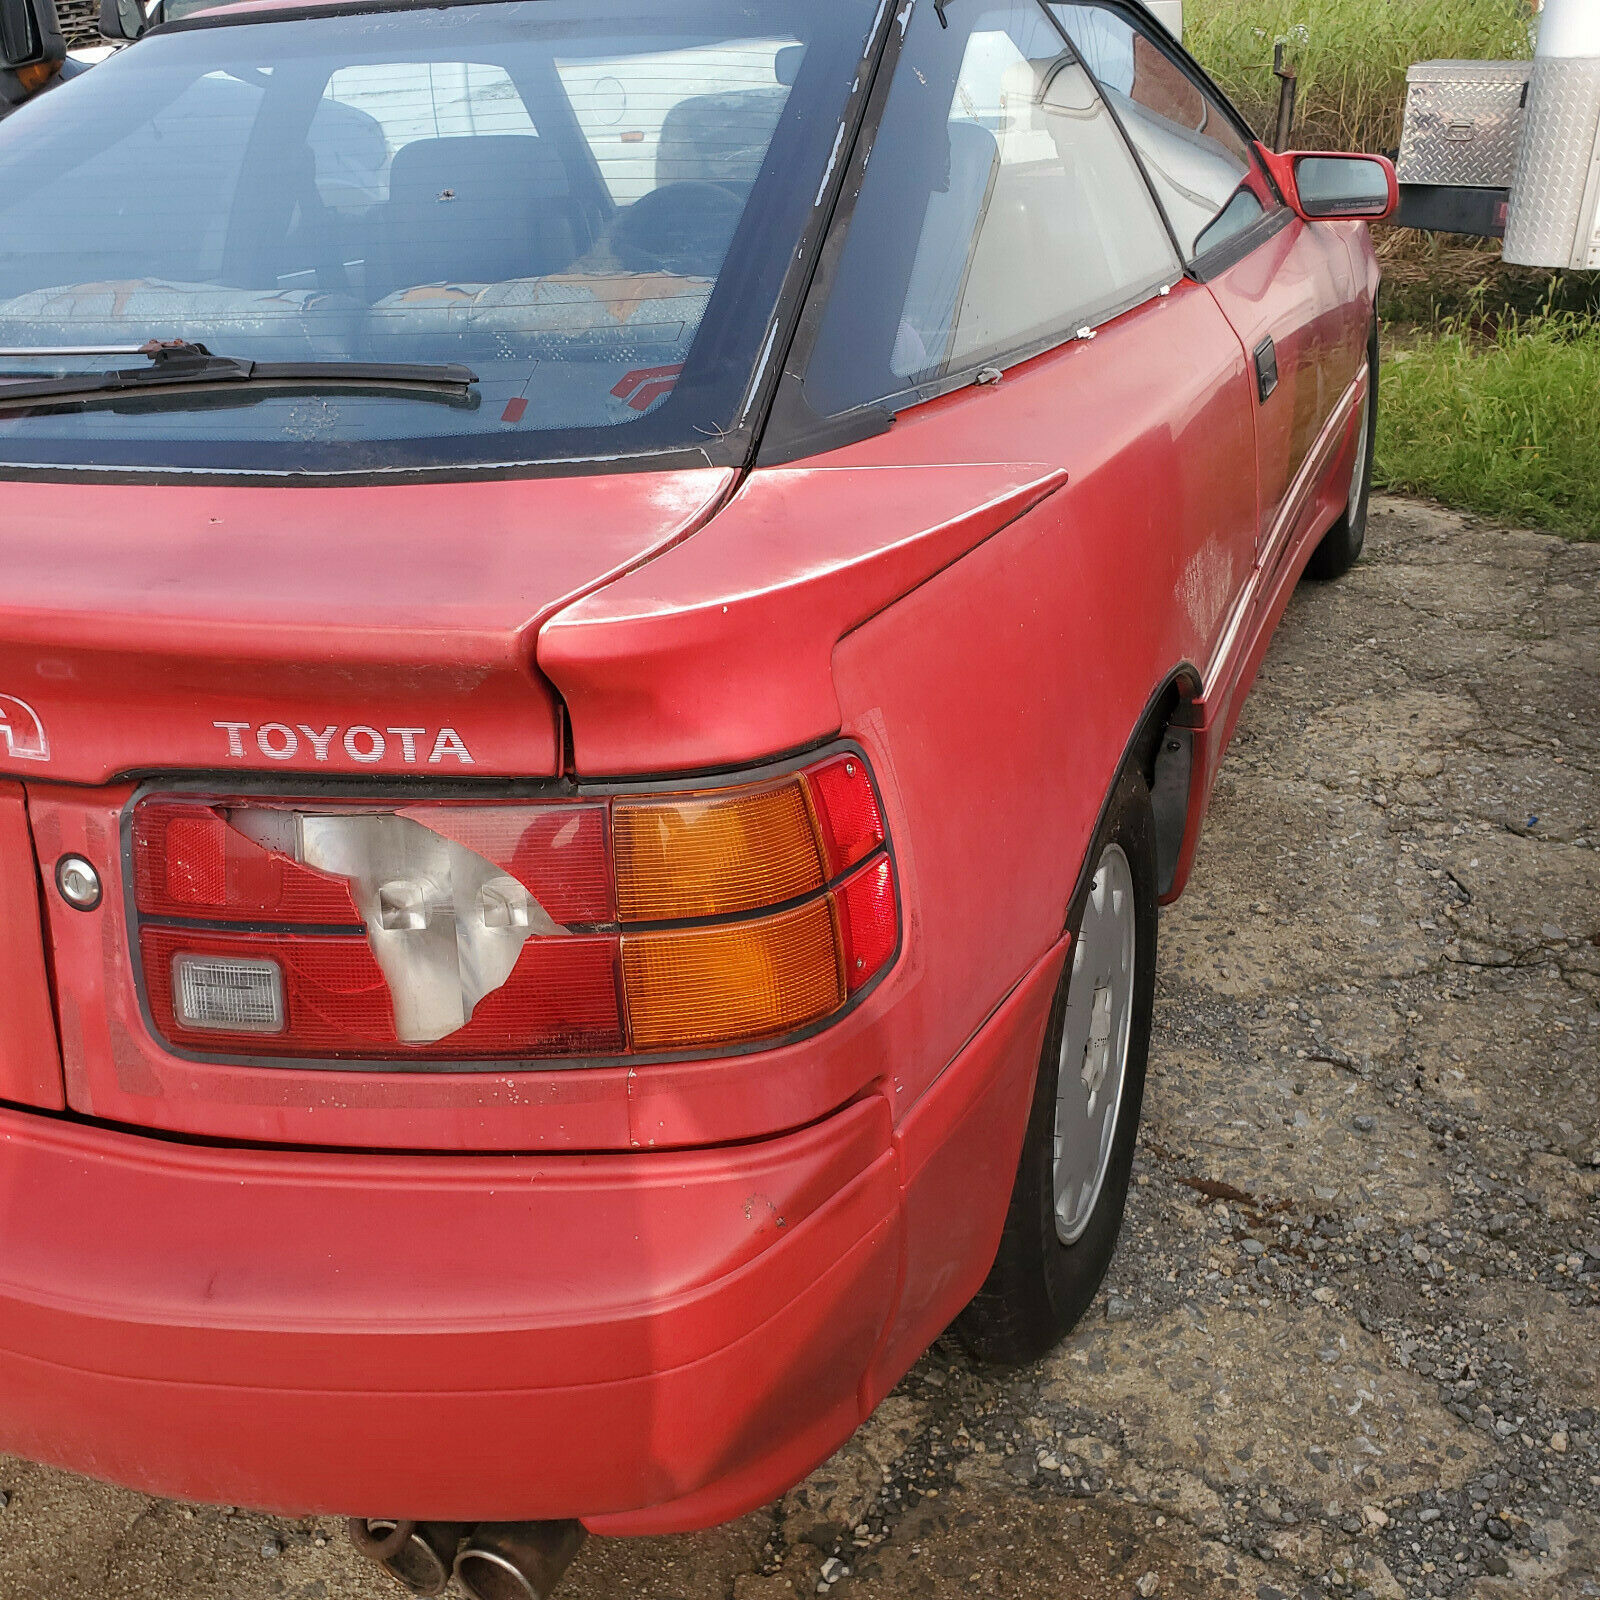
[232, 996]
[505, 903]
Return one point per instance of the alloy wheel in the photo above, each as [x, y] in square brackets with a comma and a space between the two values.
[1094, 1043]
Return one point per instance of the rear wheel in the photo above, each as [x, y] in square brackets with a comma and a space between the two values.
[1341, 544]
[1072, 1181]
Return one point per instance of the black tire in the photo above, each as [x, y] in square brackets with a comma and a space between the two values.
[1340, 548]
[1039, 1287]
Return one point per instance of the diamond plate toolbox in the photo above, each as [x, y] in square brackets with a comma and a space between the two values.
[1463, 122]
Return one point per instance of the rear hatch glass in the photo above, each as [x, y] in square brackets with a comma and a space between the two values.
[593, 206]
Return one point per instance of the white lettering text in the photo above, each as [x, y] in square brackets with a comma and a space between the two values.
[449, 744]
[319, 741]
[408, 742]
[361, 743]
[374, 740]
[277, 741]
[235, 743]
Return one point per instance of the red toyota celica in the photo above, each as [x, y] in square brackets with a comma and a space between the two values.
[616, 615]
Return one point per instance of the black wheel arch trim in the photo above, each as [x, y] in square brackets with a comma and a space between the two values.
[1142, 754]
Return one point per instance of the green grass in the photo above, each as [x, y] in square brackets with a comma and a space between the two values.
[1430, 278]
[1504, 424]
[1351, 56]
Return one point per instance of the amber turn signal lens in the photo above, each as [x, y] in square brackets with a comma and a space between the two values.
[717, 854]
[767, 976]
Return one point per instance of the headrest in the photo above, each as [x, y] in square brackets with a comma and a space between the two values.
[477, 168]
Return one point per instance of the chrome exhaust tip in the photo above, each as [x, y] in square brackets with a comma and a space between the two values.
[517, 1560]
[418, 1555]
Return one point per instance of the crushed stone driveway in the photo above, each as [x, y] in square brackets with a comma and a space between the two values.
[1349, 1344]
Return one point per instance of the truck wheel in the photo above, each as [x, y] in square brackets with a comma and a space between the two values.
[1341, 544]
[1072, 1181]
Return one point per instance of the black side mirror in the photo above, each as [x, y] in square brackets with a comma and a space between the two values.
[30, 35]
[122, 19]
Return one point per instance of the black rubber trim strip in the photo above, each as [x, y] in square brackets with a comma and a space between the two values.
[494, 472]
[1232, 251]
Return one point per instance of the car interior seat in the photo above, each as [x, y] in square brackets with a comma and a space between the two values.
[482, 209]
[719, 138]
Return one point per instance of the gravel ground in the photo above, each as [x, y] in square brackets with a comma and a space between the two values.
[1348, 1345]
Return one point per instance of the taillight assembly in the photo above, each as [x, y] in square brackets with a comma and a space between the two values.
[462, 930]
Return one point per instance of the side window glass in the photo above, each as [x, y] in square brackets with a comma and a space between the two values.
[1204, 171]
[1001, 211]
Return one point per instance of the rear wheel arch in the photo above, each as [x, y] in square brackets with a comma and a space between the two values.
[1161, 751]
[1053, 1253]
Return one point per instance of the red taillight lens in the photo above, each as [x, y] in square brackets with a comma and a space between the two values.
[191, 858]
[846, 807]
[503, 930]
[869, 923]
[188, 862]
[560, 852]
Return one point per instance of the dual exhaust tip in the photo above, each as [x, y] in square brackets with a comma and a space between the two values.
[490, 1560]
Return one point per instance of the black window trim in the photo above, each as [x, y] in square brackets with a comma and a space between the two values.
[794, 431]
[1217, 258]
[1232, 250]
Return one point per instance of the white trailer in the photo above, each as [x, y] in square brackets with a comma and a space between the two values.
[1511, 149]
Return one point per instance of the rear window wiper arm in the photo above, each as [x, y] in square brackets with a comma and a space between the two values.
[178, 363]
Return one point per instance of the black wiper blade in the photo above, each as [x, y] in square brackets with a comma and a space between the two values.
[178, 363]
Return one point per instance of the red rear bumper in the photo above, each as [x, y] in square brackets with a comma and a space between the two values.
[654, 1341]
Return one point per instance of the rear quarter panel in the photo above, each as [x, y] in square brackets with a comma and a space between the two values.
[996, 697]
[1006, 690]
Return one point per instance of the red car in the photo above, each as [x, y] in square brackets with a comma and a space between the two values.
[616, 616]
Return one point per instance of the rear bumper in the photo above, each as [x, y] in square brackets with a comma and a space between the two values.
[652, 1342]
